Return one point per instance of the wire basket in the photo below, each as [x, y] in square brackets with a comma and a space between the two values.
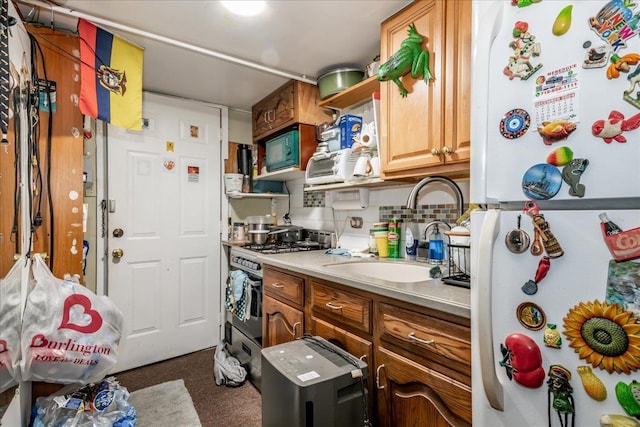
[459, 266]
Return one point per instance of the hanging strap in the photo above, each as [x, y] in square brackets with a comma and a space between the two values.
[4, 69]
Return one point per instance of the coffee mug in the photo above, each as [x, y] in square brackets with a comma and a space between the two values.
[362, 167]
[375, 166]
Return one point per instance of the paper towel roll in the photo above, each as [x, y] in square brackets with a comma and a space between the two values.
[360, 202]
[368, 139]
[344, 205]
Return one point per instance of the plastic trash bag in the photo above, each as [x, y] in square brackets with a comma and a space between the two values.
[10, 325]
[227, 369]
[69, 334]
[103, 404]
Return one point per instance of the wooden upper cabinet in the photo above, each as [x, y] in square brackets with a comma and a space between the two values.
[294, 102]
[428, 132]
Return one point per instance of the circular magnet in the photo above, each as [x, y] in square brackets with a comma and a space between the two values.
[531, 316]
[541, 181]
[515, 123]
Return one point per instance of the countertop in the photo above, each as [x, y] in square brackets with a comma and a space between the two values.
[431, 293]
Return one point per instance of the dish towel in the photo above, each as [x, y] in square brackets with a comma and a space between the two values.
[238, 294]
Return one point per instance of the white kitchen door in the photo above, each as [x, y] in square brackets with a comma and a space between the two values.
[163, 231]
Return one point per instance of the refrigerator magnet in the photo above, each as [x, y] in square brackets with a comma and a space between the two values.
[524, 47]
[514, 123]
[551, 336]
[572, 173]
[531, 316]
[541, 181]
[614, 125]
[555, 131]
[522, 360]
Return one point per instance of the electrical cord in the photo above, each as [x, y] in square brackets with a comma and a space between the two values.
[351, 360]
[36, 48]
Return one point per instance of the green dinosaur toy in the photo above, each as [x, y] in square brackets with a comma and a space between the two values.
[410, 57]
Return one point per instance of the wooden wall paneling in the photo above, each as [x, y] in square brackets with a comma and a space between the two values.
[7, 202]
[61, 60]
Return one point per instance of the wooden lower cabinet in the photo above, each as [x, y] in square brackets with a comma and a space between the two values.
[419, 359]
[280, 322]
[409, 394]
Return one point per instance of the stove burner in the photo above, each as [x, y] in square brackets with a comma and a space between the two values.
[273, 248]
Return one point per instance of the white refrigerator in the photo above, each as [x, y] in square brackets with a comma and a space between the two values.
[555, 142]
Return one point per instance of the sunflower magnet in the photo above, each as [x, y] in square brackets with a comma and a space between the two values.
[604, 335]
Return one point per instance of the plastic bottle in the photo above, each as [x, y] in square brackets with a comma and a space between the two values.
[394, 239]
[610, 227]
[412, 236]
[436, 246]
[373, 248]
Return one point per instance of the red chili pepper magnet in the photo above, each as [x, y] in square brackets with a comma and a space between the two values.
[531, 287]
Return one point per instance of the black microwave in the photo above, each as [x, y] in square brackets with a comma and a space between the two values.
[283, 151]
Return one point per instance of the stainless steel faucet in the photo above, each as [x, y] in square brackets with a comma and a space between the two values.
[413, 196]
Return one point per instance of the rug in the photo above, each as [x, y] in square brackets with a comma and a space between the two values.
[165, 405]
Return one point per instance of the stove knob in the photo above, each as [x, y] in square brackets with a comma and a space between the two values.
[258, 266]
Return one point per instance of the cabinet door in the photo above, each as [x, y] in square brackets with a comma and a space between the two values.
[412, 127]
[282, 106]
[260, 118]
[280, 322]
[428, 132]
[410, 394]
[457, 124]
[359, 347]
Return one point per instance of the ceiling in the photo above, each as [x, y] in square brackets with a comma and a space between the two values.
[302, 38]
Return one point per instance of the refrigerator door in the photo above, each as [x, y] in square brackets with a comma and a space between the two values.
[561, 85]
[579, 276]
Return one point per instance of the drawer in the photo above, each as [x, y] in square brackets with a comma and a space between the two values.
[426, 336]
[341, 306]
[283, 286]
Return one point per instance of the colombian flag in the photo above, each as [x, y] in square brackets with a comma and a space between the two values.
[111, 77]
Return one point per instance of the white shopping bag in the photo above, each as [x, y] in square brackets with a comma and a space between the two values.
[10, 325]
[69, 334]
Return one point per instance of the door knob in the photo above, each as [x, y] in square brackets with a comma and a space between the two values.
[118, 232]
[435, 152]
[117, 253]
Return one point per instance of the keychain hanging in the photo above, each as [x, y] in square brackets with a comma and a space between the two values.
[517, 240]
[543, 237]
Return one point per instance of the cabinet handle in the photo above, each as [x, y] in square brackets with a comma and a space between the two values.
[277, 285]
[412, 336]
[333, 307]
[447, 150]
[435, 152]
[363, 357]
[378, 386]
[295, 325]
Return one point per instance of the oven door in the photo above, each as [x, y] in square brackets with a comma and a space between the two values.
[252, 327]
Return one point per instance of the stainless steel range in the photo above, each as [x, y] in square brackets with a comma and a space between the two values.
[244, 337]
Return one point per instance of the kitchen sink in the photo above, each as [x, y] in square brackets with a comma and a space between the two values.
[390, 271]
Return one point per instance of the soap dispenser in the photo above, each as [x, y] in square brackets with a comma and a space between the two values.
[436, 246]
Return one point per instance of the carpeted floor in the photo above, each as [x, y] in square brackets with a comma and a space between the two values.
[216, 405]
